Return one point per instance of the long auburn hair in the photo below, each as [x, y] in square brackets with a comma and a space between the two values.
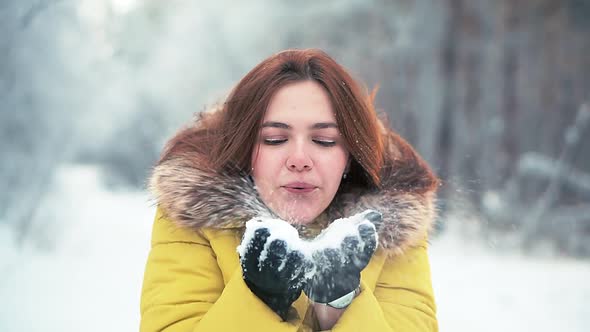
[223, 140]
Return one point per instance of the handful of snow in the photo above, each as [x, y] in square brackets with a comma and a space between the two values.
[279, 230]
[339, 229]
[331, 237]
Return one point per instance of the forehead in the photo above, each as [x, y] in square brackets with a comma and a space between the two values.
[305, 101]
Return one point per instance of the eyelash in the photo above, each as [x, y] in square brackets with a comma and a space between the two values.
[270, 141]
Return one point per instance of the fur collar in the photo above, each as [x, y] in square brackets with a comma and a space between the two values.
[196, 198]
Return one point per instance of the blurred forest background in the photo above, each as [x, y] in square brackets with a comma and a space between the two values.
[494, 94]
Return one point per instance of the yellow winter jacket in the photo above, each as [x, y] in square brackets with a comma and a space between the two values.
[193, 280]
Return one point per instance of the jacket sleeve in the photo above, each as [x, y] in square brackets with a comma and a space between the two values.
[184, 290]
[403, 298]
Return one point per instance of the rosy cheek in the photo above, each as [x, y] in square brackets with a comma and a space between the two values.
[254, 156]
[261, 155]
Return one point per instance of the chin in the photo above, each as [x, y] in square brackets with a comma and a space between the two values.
[297, 212]
[301, 219]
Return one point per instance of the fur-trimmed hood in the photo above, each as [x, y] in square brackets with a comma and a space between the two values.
[195, 197]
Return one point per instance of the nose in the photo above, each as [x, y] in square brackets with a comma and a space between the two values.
[299, 160]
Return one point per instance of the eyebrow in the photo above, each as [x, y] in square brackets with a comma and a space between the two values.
[319, 125]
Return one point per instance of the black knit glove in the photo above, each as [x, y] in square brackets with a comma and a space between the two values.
[344, 250]
[271, 267]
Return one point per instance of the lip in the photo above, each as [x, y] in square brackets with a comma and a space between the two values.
[299, 187]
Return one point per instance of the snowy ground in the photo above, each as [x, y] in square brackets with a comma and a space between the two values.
[91, 281]
[480, 290]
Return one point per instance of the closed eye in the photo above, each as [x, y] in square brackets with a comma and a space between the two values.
[278, 141]
[325, 143]
[274, 141]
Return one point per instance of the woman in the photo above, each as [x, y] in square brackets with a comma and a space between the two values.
[297, 144]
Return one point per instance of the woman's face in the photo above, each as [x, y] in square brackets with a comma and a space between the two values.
[300, 157]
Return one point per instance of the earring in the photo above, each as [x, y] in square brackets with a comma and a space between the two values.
[344, 175]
